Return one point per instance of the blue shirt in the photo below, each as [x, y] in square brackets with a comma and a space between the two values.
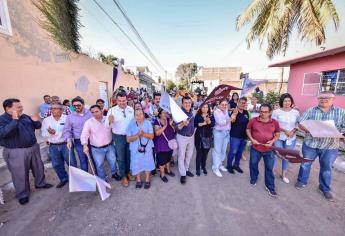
[189, 129]
[18, 133]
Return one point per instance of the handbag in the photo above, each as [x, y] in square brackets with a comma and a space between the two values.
[172, 143]
[206, 142]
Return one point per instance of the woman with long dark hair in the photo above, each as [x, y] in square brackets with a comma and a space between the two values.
[233, 101]
[204, 122]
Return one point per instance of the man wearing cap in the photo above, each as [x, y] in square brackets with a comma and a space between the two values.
[52, 128]
[324, 148]
[21, 150]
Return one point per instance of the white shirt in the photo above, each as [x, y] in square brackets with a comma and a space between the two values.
[121, 119]
[222, 119]
[57, 125]
[287, 120]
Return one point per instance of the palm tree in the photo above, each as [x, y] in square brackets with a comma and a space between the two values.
[108, 59]
[274, 21]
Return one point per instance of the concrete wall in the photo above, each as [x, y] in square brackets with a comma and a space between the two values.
[32, 64]
[296, 78]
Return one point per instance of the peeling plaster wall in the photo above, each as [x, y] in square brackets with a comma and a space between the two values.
[32, 64]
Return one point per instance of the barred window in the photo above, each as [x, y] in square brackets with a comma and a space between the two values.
[5, 23]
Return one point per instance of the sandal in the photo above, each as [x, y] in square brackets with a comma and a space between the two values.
[139, 185]
[147, 185]
[164, 179]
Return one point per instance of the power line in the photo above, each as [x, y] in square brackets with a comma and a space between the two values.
[123, 11]
[127, 36]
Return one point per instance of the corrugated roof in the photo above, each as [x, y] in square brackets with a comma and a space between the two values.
[309, 57]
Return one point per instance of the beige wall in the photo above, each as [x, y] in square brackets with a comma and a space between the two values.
[31, 64]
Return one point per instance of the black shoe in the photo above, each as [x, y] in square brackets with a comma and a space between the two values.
[116, 177]
[231, 170]
[164, 179]
[171, 174]
[253, 183]
[138, 185]
[61, 184]
[46, 185]
[272, 193]
[153, 172]
[147, 185]
[189, 174]
[23, 200]
[197, 172]
[183, 179]
[204, 171]
[238, 169]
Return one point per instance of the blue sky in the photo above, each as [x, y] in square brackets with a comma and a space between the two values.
[179, 31]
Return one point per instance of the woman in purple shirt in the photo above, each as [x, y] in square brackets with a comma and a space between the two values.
[164, 131]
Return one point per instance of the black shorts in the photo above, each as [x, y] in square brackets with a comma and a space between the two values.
[164, 157]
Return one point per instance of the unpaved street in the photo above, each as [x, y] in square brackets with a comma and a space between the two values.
[204, 206]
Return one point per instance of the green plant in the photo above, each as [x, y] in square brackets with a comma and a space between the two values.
[61, 20]
[271, 97]
[108, 59]
[170, 85]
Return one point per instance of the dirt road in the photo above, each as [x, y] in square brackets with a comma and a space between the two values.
[206, 205]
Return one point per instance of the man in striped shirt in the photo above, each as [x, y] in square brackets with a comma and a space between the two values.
[324, 148]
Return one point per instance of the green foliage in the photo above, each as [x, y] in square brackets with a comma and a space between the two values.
[185, 72]
[259, 96]
[169, 85]
[108, 59]
[271, 97]
[61, 20]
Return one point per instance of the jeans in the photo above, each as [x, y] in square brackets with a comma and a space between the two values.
[122, 154]
[282, 144]
[237, 146]
[99, 155]
[255, 157]
[59, 155]
[201, 157]
[221, 141]
[326, 159]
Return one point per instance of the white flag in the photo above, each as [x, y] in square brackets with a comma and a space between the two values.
[80, 180]
[169, 105]
[102, 188]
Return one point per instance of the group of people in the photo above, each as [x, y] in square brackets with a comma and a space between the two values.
[139, 138]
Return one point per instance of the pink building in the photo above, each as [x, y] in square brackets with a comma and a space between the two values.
[310, 74]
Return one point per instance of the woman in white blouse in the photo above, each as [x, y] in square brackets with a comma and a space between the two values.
[221, 134]
[287, 117]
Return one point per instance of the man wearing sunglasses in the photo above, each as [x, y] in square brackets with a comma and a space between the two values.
[324, 148]
[73, 128]
[119, 118]
[263, 131]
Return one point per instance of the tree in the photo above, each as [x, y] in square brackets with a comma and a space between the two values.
[169, 85]
[274, 21]
[108, 59]
[61, 20]
[185, 72]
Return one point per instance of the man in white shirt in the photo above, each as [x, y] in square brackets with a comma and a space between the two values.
[98, 132]
[119, 118]
[52, 127]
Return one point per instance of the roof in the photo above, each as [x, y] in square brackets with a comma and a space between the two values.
[309, 57]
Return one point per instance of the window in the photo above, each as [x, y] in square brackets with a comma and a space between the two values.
[5, 24]
[333, 81]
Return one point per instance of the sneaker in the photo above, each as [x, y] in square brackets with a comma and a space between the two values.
[197, 172]
[217, 173]
[285, 180]
[231, 171]
[189, 174]
[272, 193]
[299, 185]
[238, 169]
[252, 183]
[204, 171]
[164, 179]
[222, 168]
[327, 195]
[183, 179]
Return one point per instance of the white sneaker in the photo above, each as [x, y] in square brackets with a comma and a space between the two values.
[286, 180]
[217, 172]
[222, 168]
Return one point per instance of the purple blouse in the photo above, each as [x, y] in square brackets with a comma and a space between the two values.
[161, 144]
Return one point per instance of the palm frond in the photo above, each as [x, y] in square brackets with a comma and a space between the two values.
[251, 11]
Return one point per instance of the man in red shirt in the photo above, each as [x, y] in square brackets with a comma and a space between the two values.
[263, 131]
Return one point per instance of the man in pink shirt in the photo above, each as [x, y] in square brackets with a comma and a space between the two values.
[98, 132]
